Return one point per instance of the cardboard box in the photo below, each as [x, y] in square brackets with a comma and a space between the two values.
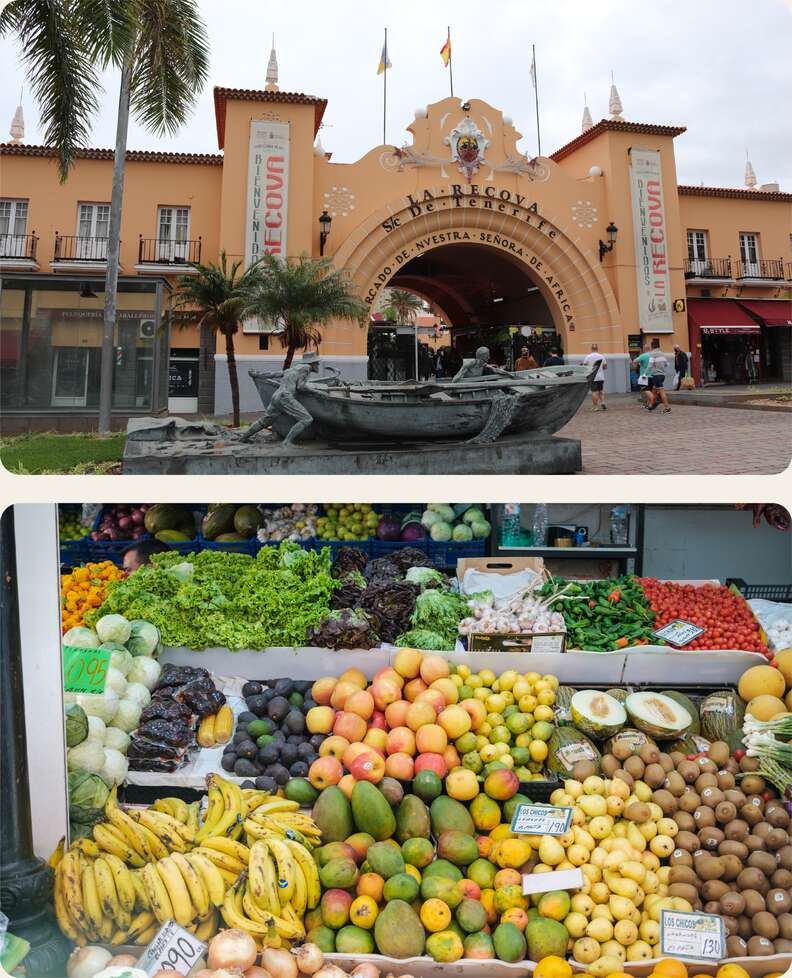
[551, 642]
[498, 565]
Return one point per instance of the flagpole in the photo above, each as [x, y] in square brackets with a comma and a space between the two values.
[385, 90]
[536, 99]
[450, 62]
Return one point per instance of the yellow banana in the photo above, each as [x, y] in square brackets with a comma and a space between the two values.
[71, 868]
[158, 898]
[57, 854]
[128, 827]
[310, 871]
[148, 935]
[276, 804]
[192, 820]
[235, 808]
[261, 877]
[207, 929]
[237, 850]
[65, 922]
[176, 807]
[90, 895]
[124, 884]
[292, 927]
[158, 836]
[299, 900]
[286, 869]
[183, 910]
[87, 847]
[213, 813]
[235, 917]
[111, 839]
[210, 874]
[142, 922]
[170, 824]
[106, 889]
[222, 860]
[199, 895]
[141, 897]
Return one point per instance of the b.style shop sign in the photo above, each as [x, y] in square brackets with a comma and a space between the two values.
[267, 190]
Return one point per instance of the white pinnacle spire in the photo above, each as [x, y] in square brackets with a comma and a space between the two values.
[750, 176]
[318, 148]
[587, 123]
[17, 130]
[614, 104]
[272, 70]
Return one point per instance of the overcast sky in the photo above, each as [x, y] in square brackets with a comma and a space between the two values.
[720, 67]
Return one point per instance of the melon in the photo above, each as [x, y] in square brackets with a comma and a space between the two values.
[686, 703]
[783, 662]
[657, 715]
[761, 681]
[722, 714]
[596, 713]
[765, 707]
[561, 709]
[566, 747]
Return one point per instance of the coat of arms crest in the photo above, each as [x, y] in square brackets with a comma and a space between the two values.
[468, 145]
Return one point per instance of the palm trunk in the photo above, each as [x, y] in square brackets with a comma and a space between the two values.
[206, 371]
[113, 250]
[233, 380]
[289, 356]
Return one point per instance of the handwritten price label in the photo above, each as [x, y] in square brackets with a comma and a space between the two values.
[84, 670]
[679, 632]
[541, 820]
[692, 935]
[173, 949]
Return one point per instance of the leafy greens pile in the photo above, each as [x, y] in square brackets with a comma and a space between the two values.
[218, 599]
[435, 620]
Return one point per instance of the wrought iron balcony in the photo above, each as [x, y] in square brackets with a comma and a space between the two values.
[18, 246]
[163, 251]
[73, 247]
[771, 269]
[789, 271]
[708, 268]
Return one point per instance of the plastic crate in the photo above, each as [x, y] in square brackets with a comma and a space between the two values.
[770, 592]
[250, 547]
[384, 548]
[447, 554]
[99, 550]
[334, 546]
[74, 552]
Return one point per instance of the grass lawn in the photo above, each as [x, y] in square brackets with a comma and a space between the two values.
[49, 453]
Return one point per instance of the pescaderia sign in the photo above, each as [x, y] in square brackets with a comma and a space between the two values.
[651, 242]
[267, 190]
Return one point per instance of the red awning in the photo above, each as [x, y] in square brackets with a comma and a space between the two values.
[721, 316]
[772, 312]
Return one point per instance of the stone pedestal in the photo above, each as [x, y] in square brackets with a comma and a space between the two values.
[25, 880]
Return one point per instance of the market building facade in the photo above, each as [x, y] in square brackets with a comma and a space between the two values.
[596, 243]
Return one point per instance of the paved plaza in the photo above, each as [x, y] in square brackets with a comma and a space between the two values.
[627, 440]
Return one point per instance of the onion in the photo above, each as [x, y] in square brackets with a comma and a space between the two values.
[231, 949]
[331, 971]
[366, 970]
[168, 973]
[85, 962]
[280, 963]
[256, 972]
[121, 960]
[310, 959]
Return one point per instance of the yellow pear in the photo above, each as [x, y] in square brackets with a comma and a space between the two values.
[582, 904]
[584, 838]
[586, 950]
[663, 874]
[551, 852]
[633, 871]
[591, 872]
[620, 906]
[678, 903]
[614, 949]
[576, 924]
[649, 931]
[608, 964]
[600, 928]
[642, 791]
[601, 826]
[602, 912]
[593, 805]
[648, 830]
[640, 951]
[637, 840]
[577, 854]
[650, 881]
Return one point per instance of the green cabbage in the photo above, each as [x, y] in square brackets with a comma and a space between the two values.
[115, 680]
[87, 757]
[446, 512]
[146, 671]
[144, 638]
[76, 725]
[120, 658]
[87, 796]
[128, 716]
[481, 529]
[115, 767]
[113, 628]
[429, 518]
[81, 637]
[440, 532]
[473, 515]
[102, 705]
[462, 533]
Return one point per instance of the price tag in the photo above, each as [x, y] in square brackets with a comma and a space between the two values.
[541, 820]
[173, 949]
[84, 670]
[679, 632]
[548, 643]
[692, 935]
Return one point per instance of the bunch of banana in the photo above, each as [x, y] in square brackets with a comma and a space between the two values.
[216, 728]
[240, 910]
[226, 810]
[229, 857]
[281, 817]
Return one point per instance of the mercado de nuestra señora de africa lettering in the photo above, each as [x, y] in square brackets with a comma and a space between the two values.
[594, 243]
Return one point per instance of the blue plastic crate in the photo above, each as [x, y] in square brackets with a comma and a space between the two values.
[113, 549]
[384, 548]
[335, 545]
[250, 547]
[447, 554]
[74, 552]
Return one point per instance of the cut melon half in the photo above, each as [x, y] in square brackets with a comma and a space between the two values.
[657, 715]
[596, 713]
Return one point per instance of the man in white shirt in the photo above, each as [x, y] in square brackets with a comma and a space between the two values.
[596, 385]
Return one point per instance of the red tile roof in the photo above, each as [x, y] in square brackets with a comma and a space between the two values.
[740, 193]
[613, 125]
[136, 155]
[223, 95]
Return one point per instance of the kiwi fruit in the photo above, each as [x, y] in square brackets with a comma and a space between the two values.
[762, 829]
[782, 878]
[732, 903]
[753, 879]
[708, 867]
[731, 847]
[763, 861]
[625, 776]
[754, 902]
[683, 874]
[759, 946]
[654, 775]
[665, 799]
[736, 947]
[751, 814]
[755, 843]
[714, 889]
[634, 766]
[765, 924]
[680, 857]
[776, 839]
[785, 926]
[666, 762]
[711, 796]
[736, 829]
[710, 837]
[583, 770]
[753, 784]
[734, 795]
[688, 771]
[719, 752]
[704, 816]
[748, 764]
[732, 866]
[609, 765]
[638, 811]
[777, 817]
[706, 780]
[689, 801]
[687, 841]
[685, 821]
[649, 753]
[725, 812]
[730, 924]
[784, 857]
[778, 901]
[707, 766]
[744, 929]
[675, 783]
[622, 749]
[686, 891]
[725, 781]
[677, 757]
[714, 907]
[782, 946]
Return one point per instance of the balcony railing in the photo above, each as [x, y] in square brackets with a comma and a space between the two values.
[18, 246]
[772, 269]
[789, 271]
[163, 251]
[708, 268]
[73, 247]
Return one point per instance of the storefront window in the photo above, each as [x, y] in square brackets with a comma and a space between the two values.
[50, 357]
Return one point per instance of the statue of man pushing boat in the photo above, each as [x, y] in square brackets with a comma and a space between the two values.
[479, 367]
[284, 400]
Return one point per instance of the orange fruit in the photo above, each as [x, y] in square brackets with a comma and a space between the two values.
[670, 968]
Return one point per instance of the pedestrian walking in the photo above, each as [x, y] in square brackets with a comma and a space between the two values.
[641, 364]
[554, 359]
[680, 366]
[656, 370]
[525, 361]
[597, 365]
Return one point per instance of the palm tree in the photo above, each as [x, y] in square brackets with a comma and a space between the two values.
[403, 306]
[301, 294]
[218, 298]
[161, 49]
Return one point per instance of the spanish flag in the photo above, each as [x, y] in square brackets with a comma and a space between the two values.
[445, 50]
[384, 61]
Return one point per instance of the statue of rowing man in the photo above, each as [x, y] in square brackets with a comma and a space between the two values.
[480, 367]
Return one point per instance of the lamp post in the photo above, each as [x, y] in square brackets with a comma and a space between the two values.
[324, 230]
[611, 230]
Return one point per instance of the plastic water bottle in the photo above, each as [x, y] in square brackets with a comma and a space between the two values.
[511, 525]
[619, 526]
[540, 525]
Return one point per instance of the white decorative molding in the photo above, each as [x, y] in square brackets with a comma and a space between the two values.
[584, 214]
[339, 201]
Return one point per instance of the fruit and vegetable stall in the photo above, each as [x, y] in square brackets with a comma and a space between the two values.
[338, 760]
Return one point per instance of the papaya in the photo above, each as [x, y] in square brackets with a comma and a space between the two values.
[172, 536]
[457, 848]
[164, 516]
[447, 813]
[398, 931]
[371, 812]
[385, 860]
[247, 520]
[333, 814]
[412, 819]
[218, 520]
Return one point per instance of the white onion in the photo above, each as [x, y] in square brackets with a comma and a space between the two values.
[85, 962]
[310, 959]
[280, 963]
[254, 972]
[366, 970]
[122, 959]
[232, 949]
[331, 971]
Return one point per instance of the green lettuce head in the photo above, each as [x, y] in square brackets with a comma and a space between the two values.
[76, 725]
[87, 796]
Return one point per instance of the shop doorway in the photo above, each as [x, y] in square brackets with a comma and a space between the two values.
[70, 377]
[732, 357]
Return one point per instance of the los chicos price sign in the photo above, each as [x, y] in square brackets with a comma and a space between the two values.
[692, 935]
[541, 820]
[85, 670]
[173, 949]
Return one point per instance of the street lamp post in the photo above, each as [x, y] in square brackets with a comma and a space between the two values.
[611, 230]
[324, 230]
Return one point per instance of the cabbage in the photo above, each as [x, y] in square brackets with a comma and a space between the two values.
[115, 681]
[115, 767]
[429, 518]
[113, 628]
[96, 729]
[88, 756]
[182, 572]
[445, 511]
[144, 638]
[128, 716]
[440, 532]
[144, 670]
[138, 693]
[119, 657]
[473, 515]
[462, 533]
[87, 796]
[76, 725]
[81, 638]
[117, 738]
[102, 705]
[481, 529]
